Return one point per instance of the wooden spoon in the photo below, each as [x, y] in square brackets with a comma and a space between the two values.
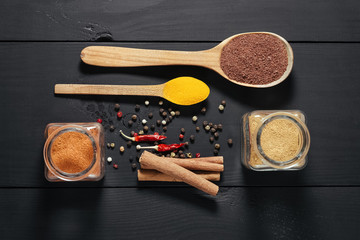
[131, 57]
[181, 90]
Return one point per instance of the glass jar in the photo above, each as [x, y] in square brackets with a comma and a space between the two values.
[265, 146]
[96, 169]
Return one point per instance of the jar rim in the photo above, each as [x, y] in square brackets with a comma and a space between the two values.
[53, 168]
[303, 148]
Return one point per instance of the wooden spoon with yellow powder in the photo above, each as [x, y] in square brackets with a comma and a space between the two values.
[181, 90]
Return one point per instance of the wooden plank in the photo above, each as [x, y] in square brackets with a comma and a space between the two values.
[323, 84]
[180, 213]
[177, 20]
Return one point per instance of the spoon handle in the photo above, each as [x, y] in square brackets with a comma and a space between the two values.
[143, 90]
[131, 57]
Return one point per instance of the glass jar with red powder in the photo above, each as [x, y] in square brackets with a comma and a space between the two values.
[74, 152]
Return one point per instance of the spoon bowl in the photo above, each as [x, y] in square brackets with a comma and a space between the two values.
[106, 56]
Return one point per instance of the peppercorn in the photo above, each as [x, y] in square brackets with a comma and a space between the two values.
[152, 127]
[182, 155]
[115, 166]
[192, 138]
[197, 129]
[216, 135]
[133, 166]
[167, 120]
[215, 126]
[180, 151]
[132, 133]
[172, 113]
[141, 132]
[146, 128]
[117, 107]
[170, 118]
[182, 130]
[181, 136]
[205, 123]
[144, 121]
[217, 146]
[186, 144]
[131, 159]
[137, 107]
[122, 149]
[211, 124]
[130, 123]
[177, 113]
[150, 115]
[147, 103]
[112, 145]
[194, 118]
[203, 110]
[158, 122]
[109, 159]
[207, 128]
[167, 155]
[165, 129]
[197, 155]
[161, 110]
[129, 143]
[112, 128]
[108, 145]
[172, 154]
[221, 107]
[119, 114]
[177, 156]
[99, 120]
[189, 155]
[223, 102]
[230, 142]
[216, 152]
[211, 139]
[156, 143]
[163, 122]
[212, 130]
[220, 127]
[161, 103]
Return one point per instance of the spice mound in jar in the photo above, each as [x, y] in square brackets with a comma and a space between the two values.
[256, 58]
[72, 152]
[280, 140]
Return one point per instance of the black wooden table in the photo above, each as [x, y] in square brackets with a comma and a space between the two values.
[40, 42]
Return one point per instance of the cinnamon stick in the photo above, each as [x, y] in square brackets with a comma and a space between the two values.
[192, 164]
[153, 175]
[151, 161]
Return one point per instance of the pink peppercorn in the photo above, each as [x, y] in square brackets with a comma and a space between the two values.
[115, 166]
[181, 136]
[197, 155]
[119, 114]
[99, 120]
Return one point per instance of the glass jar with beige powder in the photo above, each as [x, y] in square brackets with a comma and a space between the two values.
[275, 140]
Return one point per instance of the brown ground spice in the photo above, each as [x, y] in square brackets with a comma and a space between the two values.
[72, 152]
[257, 58]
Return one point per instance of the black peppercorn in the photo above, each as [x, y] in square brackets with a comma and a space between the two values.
[132, 133]
[130, 123]
[165, 129]
[230, 141]
[192, 138]
[205, 123]
[211, 124]
[161, 110]
[203, 110]
[167, 120]
[211, 139]
[112, 128]
[137, 107]
[180, 151]
[197, 129]
[220, 126]
[182, 130]
[177, 113]
[182, 155]
[169, 109]
[133, 166]
[134, 117]
[168, 155]
[216, 135]
[158, 122]
[170, 118]
[215, 126]
[129, 143]
[152, 127]
[131, 159]
[217, 146]
[212, 130]
[117, 107]
[186, 144]
[216, 152]
[146, 128]
[156, 143]
[164, 114]
[223, 102]
[150, 115]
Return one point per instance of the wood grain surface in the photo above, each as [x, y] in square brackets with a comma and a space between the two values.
[323, 84]
[160, 20]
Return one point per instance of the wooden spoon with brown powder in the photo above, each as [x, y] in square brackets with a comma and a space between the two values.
[254, 59]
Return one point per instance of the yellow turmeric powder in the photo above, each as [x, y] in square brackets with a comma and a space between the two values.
[185, 91]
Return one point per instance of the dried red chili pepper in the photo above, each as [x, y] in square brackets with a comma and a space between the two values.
[162, 147]
[144, 138]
